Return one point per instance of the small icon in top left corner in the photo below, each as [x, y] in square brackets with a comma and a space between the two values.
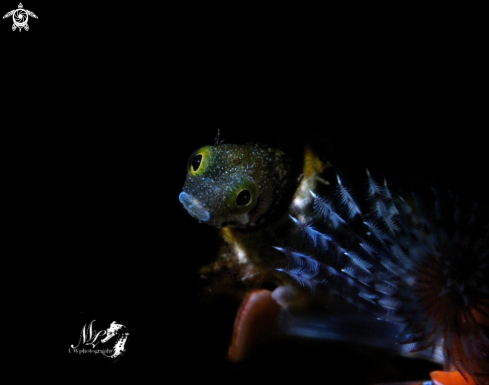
[20, 17]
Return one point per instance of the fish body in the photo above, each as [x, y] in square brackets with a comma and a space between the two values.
[419, 265]
[217, 175]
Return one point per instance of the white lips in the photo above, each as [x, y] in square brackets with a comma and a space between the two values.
[194, 207]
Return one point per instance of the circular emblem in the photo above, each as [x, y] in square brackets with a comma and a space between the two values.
[20, 17]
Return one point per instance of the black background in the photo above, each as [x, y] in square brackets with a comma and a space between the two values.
[104, 107]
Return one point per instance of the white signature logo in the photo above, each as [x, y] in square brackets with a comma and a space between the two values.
[90, 337]
[20, 17]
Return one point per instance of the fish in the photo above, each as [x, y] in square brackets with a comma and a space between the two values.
[409, 269]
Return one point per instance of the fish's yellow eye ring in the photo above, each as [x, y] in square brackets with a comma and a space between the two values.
[243, 198]
[199, 161]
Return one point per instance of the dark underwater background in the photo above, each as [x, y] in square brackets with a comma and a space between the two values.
[96, 145]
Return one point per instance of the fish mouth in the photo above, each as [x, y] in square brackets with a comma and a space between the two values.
[194, 207]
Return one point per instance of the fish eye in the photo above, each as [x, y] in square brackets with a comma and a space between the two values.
[243, 198]
[194, 162]
[199, 160]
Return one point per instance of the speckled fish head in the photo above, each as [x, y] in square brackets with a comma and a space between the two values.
[233, 185]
